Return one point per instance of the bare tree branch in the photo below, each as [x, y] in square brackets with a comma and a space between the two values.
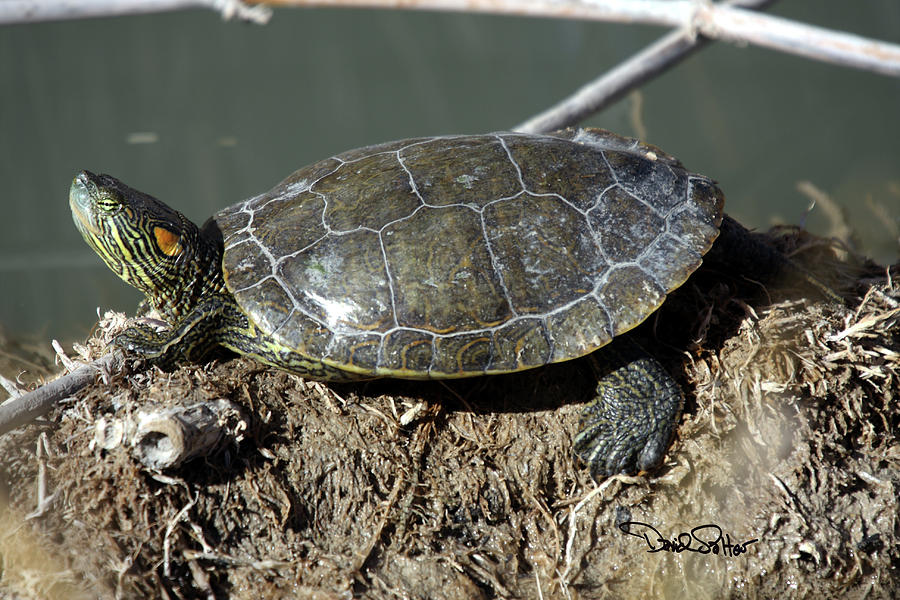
[27, 407]
[31, 11]
[817, 43]
[630, 74]
[716, 21]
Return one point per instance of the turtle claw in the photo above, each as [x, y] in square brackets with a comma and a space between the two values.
[137, 339]
[148, 343]
[133, 339]
[629, 425]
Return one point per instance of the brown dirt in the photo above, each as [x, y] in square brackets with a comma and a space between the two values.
[789, 438]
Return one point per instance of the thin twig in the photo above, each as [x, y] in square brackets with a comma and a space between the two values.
[628, 75]
[231, 561]
[33, 11]
[29, 406]
[170, 528]
[67, 362]
[10, 386]
[363, 555]
[573, 529]
[43, 500]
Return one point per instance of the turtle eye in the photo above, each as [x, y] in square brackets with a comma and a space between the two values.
[108, 201]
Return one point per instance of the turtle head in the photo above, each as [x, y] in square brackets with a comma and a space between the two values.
[149, 245]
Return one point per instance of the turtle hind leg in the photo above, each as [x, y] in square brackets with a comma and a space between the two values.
[738, 250]
[630, 423]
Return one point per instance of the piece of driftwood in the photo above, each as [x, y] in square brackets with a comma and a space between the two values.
[27, 407]
[166, 437]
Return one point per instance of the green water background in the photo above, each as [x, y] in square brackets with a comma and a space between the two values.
[202, 113]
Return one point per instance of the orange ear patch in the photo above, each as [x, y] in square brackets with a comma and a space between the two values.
[168, 242]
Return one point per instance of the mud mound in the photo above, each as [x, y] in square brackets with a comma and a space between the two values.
[788, 450]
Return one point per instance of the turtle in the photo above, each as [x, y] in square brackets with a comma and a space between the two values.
[432, 258]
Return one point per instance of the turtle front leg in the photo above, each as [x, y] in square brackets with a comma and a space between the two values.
[191, 339]
[629, 425]
[216, 322]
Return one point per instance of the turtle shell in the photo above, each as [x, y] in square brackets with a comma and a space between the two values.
[465, 255]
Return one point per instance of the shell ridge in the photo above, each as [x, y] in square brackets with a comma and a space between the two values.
[640, 198]
[495, 262]
[412, 181]
[390, 284]
[597, 235]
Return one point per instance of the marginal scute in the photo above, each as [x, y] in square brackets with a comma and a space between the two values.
[267, 303]
[454, 256]
[666, 272]
[578, 329]
[406, 350]
[233, 221]
[460, 354]
[521, 344]
[708, 200]
[359, 351]
[245, 266]
[306, 335]
[693, 229]
[630, 295]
